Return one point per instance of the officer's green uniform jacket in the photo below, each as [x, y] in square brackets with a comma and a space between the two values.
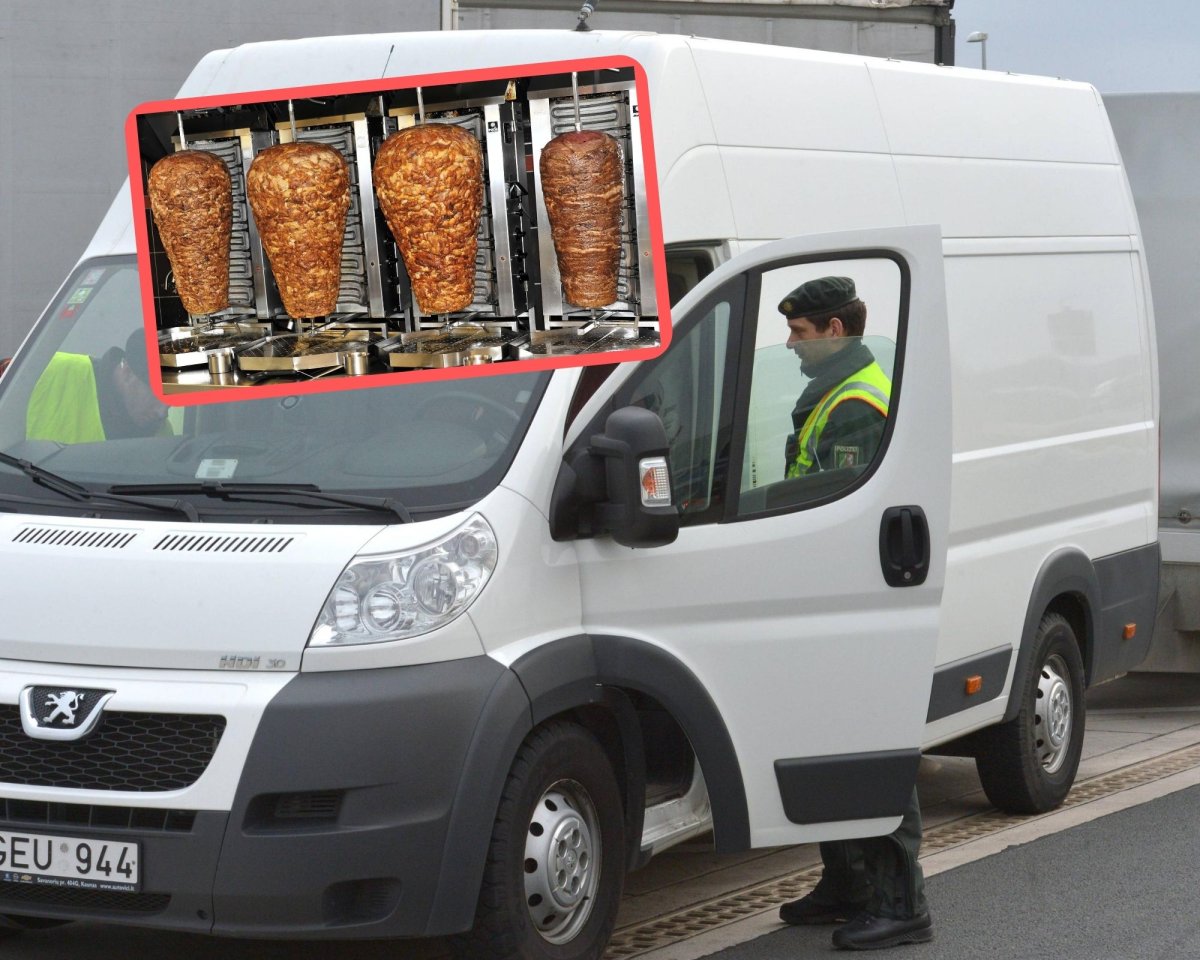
[839, 419]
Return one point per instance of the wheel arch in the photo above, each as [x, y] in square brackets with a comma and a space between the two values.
[582, 678]
[1067, 584]
[585, 672]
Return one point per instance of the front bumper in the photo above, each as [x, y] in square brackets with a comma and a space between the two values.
[363, 810]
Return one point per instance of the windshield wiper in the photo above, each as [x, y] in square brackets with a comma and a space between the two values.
[81, 494]
[270, 493]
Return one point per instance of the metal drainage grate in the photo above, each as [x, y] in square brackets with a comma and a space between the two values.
[660, 932]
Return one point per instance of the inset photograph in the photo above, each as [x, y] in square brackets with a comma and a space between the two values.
[399, 230]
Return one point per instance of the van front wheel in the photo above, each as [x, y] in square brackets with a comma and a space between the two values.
[555, 867]
[1028, 764]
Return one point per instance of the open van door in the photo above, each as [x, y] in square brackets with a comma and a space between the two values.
[805, 607]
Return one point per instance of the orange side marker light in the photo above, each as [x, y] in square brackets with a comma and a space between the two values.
[1130, 631]
[974, 685]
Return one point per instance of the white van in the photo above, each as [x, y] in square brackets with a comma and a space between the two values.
[441, 658]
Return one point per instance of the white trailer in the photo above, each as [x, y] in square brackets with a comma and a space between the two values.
[1159, 138]
[918, 30]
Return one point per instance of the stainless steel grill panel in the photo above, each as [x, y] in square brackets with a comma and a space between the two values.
[241, 272]
[352, 295]
[485, 298]
[611, 112]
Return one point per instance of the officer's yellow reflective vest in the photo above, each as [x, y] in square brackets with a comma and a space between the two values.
[64, 405]
[870, 385]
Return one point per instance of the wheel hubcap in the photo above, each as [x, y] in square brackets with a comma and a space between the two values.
[562, 861]
[1052, 715]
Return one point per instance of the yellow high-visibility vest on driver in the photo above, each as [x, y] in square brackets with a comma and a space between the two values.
[83, 399]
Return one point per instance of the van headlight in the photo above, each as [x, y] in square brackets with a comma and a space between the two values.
[395, 596]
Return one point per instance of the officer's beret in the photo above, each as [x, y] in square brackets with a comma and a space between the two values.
[818, 296]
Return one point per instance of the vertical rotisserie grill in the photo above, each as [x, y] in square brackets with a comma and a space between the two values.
[511, 281]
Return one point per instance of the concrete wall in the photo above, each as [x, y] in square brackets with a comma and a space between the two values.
[70, 72]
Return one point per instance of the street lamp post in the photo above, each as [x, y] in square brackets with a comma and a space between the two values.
[980, 38]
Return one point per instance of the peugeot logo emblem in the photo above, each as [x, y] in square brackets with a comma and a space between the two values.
[58, 713]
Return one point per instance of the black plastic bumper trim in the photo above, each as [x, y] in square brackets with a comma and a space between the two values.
[856, 786]
[948, 695]
[1128, 595]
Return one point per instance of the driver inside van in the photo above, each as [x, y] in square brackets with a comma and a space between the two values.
[839, 419]
[83, 399]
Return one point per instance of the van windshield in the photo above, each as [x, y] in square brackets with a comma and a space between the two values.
[77, 419]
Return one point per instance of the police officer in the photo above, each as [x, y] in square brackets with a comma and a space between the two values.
[839, 419]
[873, 886]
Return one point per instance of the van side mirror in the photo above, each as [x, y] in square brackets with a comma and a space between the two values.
[619, 484]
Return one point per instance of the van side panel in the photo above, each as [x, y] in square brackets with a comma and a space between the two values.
[1052, 377]
[812, 156]
[1054, 432]
[956, 112]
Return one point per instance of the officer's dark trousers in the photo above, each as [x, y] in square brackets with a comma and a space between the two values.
[882, 873]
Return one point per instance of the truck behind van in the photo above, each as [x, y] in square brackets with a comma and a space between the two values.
[1160, 142]
[451, 657]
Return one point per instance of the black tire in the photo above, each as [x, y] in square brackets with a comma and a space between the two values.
[559, 830]
[1028, 764]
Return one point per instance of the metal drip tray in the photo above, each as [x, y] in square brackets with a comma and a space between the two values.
[192, 346]
[597, 339]
[453, 346]
[297, 352]
[414, 350]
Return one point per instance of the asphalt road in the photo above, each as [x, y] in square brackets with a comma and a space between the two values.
[1124, 887]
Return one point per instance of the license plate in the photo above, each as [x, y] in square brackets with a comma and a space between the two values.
[72, 862]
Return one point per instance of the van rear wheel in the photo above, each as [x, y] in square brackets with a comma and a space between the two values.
[556, 864]
[1028, 764]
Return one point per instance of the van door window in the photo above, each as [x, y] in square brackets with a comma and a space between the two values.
[689, 389]
[821, 388]
[686, 267]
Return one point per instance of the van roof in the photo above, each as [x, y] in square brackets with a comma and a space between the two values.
[670, 62]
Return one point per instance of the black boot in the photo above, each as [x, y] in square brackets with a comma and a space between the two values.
[870, 932]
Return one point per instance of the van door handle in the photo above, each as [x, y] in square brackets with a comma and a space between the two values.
[904, 546]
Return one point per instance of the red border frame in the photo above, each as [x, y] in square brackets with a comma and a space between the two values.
[258, 392]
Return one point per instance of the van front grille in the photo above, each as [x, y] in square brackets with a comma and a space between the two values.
[67, 816]
[127, 751]
[15, 895]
